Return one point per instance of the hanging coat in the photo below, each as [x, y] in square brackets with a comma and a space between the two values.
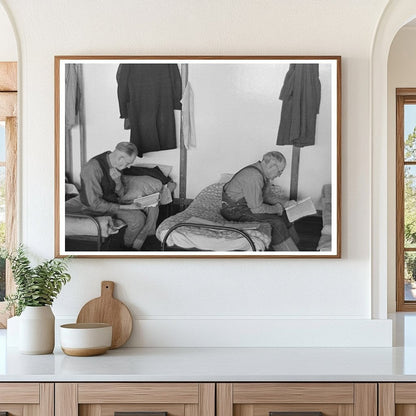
[147, 95]
[73, 109]
[188, 119]
[301, 98]
[73, 82]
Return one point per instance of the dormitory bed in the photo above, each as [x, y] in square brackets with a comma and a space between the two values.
[84, 232]
[181, 230]
[201, 227]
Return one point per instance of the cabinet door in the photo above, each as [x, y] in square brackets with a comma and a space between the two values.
[142, 399]
[397, 399]
[297, 399]
[26, 399]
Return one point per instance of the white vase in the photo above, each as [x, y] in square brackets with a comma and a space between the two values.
[12, 334]
[37, 330]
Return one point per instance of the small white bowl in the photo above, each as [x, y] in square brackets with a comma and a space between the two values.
[84, 340]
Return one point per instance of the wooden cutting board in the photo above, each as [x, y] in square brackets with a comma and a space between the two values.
[108, 310]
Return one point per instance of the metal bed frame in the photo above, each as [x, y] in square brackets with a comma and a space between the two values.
[214, 227]
[99, 239]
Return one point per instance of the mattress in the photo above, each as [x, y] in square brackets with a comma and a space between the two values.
[205, 209]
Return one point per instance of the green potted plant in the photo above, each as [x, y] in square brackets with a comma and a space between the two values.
[36, 289]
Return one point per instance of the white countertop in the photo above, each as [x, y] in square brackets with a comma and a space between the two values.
[215, 364]
[221, 364]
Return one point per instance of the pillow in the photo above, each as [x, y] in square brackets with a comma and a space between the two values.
[166, 169]
[71, 189]
[137, 186]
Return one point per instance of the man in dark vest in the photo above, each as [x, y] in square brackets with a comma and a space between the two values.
[102, 190]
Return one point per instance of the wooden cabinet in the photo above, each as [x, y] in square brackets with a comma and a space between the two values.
[208, 399]
[222, 399]
[331, 399]
[397, 399]
[105, 399]
[27, 399]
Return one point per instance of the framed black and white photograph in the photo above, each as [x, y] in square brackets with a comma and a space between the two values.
[198, 156]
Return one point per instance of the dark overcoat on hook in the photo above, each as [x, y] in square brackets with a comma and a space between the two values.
[301, 97]
[148, 94]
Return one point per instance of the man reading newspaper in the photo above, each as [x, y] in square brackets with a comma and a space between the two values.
[245, 198]
[102, 190]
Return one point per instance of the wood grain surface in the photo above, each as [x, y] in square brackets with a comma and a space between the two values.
[252, 393]
[8, 76]
[109, 310]
[169, 393]
[84, 352]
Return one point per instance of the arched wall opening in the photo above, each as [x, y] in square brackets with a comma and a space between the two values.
[396, 15]
[401, 74]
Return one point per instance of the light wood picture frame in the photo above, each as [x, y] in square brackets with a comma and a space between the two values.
[225, 148]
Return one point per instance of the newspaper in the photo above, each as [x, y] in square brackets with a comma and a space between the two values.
[151, 200]
[300, 209]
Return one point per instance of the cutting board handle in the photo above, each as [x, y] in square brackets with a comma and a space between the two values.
[107, 289]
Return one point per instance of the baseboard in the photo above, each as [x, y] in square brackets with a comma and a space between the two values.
[261, 333]
[255, 332]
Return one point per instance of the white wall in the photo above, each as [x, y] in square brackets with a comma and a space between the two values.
[401, 74]
[8, 46]
[237, 114]
[197, 302]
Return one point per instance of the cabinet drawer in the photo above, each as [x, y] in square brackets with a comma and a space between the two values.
[107, 399]
[268, 399]
[19, 393]
[21, 399]
[293, 393]
[138, 393]
[397, 399]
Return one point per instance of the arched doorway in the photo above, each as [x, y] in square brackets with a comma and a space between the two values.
[396, 15]
[401, 100]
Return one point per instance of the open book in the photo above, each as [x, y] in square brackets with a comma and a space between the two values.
[147, 201]
[300, 209]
